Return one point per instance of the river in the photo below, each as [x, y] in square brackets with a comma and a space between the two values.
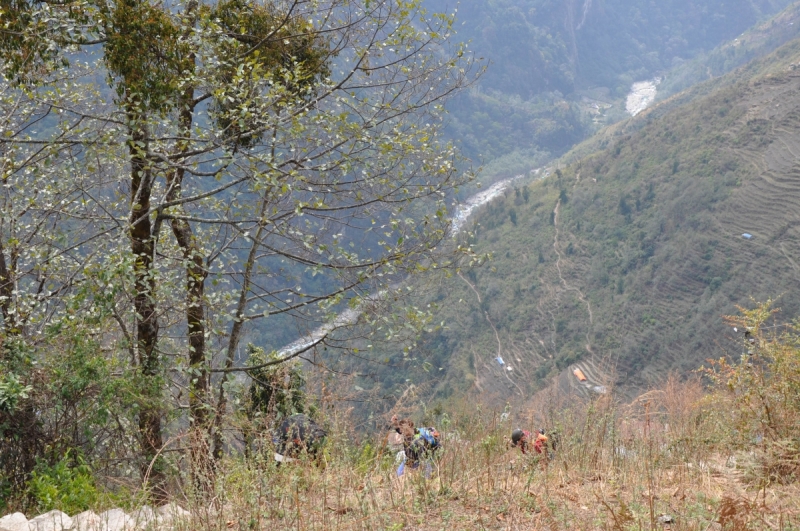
[351, 315]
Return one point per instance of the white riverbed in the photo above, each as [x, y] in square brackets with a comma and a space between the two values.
[464, 210]
[642, 94]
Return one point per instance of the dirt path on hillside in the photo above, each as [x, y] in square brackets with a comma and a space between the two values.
[567, 287]
[496, 335]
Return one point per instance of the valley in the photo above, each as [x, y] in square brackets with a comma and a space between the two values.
[523, 264]
[626, 259]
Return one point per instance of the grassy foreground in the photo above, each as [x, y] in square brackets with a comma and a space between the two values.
[618, 467]
[718, 451]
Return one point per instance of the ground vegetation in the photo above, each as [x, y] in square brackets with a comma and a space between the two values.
[677, 456]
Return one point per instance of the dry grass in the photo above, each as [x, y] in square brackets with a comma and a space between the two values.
[619, 467]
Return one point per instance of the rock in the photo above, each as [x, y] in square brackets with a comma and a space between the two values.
[115, 520]
[14, 522]
[86, 521]
[217, 511]
[666, 519]
[52, 521]
[172, 513]
[145, 518]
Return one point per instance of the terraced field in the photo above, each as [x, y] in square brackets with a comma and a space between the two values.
[737, 174]
[629, 258]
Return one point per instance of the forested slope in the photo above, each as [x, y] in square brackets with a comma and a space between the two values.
[631, 256]
[560, 69]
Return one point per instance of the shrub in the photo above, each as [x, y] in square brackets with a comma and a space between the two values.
[11, 391]
[68, 485]
[56, 402]
[276, 391]
[761, 394]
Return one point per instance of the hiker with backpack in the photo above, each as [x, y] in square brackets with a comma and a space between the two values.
[521, 439]
[425, 443]
[545, 446]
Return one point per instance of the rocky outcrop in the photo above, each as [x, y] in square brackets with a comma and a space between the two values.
[165, 518]
[51, 521]
[14, 522]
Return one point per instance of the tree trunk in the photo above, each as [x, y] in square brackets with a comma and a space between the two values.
[236, 330]
[198, 367]
[142, 247]
[195, 286]
[7, 292]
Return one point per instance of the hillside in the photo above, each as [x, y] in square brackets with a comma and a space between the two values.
[766, 64]
[702, 73]
[627, 258]
[230, 240]
[560, 70]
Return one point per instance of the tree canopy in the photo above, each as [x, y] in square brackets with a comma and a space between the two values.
[178, 175]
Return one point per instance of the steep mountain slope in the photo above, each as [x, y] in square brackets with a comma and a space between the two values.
[629, 257]
[552, 61]
[769, 61]
[515, 117]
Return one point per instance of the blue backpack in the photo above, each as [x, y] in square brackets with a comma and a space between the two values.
[421, 448]
[429, 435]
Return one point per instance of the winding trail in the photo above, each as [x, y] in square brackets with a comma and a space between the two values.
[587, 5]
[792, 262]
[500, 351]
[567, 287]
[496, 335]
[471, 286]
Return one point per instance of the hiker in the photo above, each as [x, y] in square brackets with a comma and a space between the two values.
[394, 442]
[296, 434]
[540, 444]
[521, 439]
[425, 443]
[404, 428]
[544, 446]
[401, 433]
